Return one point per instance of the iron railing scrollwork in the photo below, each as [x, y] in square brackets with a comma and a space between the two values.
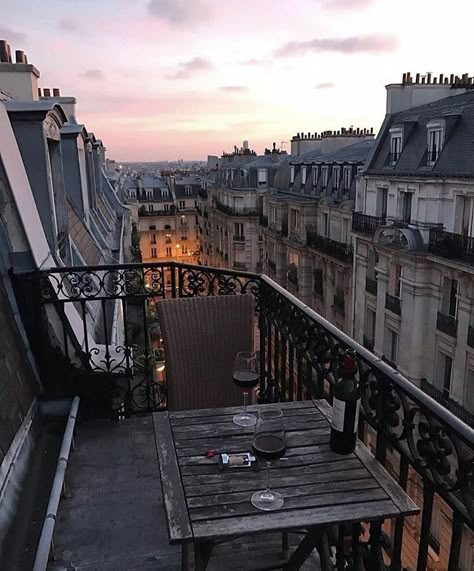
[338, 250]
[300, 356]
[452, 246]
[366, 224]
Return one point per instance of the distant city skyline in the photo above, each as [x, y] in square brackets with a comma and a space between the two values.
[167, 79]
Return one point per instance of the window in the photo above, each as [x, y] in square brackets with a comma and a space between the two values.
[187, 190]
[464, 216]
[347, 176]
[166, 207]
[238, 229]
[345, 233]
[149, 193]
[336, 177]
[273, 214]
[184, 235]
[405, 206]
[370, 317]
[360, 168]
[314, 171]
[325, 174]
[294, 219]
[449, 297]
[395, 145]
[164, 193]
[262, 177]
[397, 276]
[391, 345]
[132, 193]
[292, 175]
[152, 227]
[195, 204]
[445, 369]
[182, 204]
[150, 208]
[168, 251]
[435, 141]
[325, 224]
[184, 249]
[152, 238]
[168, 238]
[152, 252]
[381, 204]
[183, 220]
[303, 176]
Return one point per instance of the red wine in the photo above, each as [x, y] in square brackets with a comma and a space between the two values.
[269, 446]
[246, 380]
[345, 408]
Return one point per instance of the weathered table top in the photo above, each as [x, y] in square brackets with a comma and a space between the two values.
[319, 486]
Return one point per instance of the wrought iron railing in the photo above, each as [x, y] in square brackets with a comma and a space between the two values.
[142, 211]
[393, 304]
[371, 285]
[451, 246]
[365, 224]
[116, 365]
[337, 250]
[447, 324]
[448, 403]
[231, 211]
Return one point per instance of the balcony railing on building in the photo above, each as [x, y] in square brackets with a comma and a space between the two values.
[142, 211]
[366, 224]
[393, 304]
[338, 250]
[233, 211]
[448, 402]
[447, 324]
[451, 246]
[371, 285]
[300, 356]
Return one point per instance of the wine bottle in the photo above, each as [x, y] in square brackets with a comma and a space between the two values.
[345, 407]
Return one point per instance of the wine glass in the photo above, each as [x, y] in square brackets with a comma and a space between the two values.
[246, 378]
[269, 443]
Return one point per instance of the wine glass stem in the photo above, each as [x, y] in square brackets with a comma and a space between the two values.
[267, 487]
[245, 403]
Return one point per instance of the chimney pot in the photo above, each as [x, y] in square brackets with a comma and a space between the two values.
[20, 56]
[3, 51]
[428, 78]
[451, 79]
[371, 130]
[358, 131]
[441, 80]
[56, 92]
[9, 53]
[423, 80]
[417, 78]
[26, 58]
[446, 81]
[47, 92]
[435, 80]
[404, 78]
[39, 91]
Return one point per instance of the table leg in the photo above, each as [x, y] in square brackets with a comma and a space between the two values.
[186, 557]
[376, 562]
[202, 554]
[310, 541]
[285, 544]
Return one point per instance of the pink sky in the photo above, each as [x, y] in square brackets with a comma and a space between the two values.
[165, 79]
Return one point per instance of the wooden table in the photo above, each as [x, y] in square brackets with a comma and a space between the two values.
[321, 488]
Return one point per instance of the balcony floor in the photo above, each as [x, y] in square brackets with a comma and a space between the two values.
[113, 519]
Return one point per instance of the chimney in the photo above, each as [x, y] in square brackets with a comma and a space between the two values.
[417, 80]
[56, 92]
[19, 79]
[46, 92]
[428, 78]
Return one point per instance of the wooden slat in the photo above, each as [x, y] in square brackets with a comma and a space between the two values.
[179, 527]
[365, 511]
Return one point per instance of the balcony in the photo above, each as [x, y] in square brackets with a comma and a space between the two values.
[301, 355]
[393, 304]
[371, 286]
[447, 324]
[238, 238]
[143, 212]
[451, 246]
[334, 249]
[448, 402]
[365, 224]
[231, 211]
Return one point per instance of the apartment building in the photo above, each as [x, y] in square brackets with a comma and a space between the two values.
[231, 208]
[307, 219]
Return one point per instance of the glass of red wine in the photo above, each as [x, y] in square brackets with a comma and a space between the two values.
[269, 444]
[246, 378]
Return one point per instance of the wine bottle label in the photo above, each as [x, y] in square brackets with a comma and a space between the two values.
[345, 415]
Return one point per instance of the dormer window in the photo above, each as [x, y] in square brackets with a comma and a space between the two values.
[164, 193]
[292, 175]
[315, 176]
[336, 177]
[132, 193]
[395, 145]
[325, 174]
[262, 177]
[347, 178]
[187, 190]
[149, 193]
[303, 176]
[435, 140]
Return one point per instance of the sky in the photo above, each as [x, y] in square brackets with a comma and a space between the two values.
[169, 79]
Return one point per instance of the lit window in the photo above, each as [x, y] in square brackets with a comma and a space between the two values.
[262, 177]
[184, 249]
[168, 238]
[303, 176]
[325, 173]
[336, 177]
[152, 252]
[152, 238]
[347, 175]
[168, 251]
[183, 220]
[435, 141]
[395, 145]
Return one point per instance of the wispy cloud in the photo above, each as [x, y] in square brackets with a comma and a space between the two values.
[180, 12]
[234, 88]
[325, 85]
[188, 68]
[94, 74]
[348, 4]
[353, 44]
[11, 35]
[71, 26]
[254, 62]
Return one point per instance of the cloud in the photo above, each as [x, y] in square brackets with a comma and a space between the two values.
[188, 68]
[70, 25]
[354, 44]
[325, 85]
[347, 4]
[94, 74]
[180, 12]
[234, 88]
[11, 35]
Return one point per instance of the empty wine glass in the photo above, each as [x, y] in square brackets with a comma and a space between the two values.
[246, 378]
[269, 443]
